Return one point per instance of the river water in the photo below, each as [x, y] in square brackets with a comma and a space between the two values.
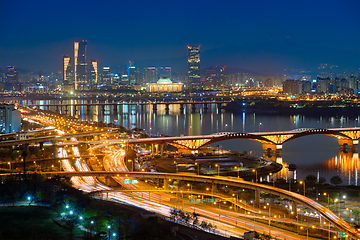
[318, 155]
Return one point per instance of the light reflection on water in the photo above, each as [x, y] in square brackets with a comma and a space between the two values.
[311, 153]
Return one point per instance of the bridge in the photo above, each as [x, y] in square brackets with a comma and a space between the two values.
[128, 101]
[270, 140]
[41, 140]
[235, 182]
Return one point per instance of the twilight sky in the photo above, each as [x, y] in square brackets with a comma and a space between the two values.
[35, 34]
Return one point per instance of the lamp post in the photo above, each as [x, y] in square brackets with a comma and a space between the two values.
[198, 170]
[255, 171]
[238, 170]
[269, 218]
[328, 200]
[259, 126]
[9, 163]
[303, 182]
[217, 165]
[307, 232]
[109, 227]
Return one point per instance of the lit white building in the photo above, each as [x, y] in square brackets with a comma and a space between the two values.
[164, 85]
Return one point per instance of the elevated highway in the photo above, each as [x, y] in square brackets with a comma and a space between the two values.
[296, 198]
[55, 137]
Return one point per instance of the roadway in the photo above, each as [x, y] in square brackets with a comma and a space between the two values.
[325, 212]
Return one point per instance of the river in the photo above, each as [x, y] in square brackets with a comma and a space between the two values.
[318, 155]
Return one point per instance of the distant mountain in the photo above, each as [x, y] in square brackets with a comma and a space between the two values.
[270, 57]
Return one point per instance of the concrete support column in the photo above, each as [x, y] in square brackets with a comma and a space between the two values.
[154, 108]
[57, 108]
[166, 184]
[219, 105]
[257, 198]
[167, 109]
[271, 147]
[193, 107]
[348, 142]
[181, 108]
[88, 108]
[205, 107]
[115, 108]
[41, 145]
[161, 149]
[294, 209]
[152, 149]
[213, 188]
[66, 109]
[75, 110]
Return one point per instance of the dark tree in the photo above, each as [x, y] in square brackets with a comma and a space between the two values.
[336, 180]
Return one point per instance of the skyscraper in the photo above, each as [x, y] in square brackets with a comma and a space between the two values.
[150, 75]
[132, 73]
[67, 81]
[93, 73]
[11, 75]
[194, 64]
[106, 78]
[12, 79]
[80, 65]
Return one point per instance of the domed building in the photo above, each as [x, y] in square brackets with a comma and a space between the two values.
[164, 85]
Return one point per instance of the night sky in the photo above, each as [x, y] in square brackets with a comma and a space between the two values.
[35, 34]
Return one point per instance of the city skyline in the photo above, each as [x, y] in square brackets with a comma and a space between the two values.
[271, 37]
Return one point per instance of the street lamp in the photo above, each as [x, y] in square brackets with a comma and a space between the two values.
[269, 218]
[198, 166]
[307, 232]
[328, 199]
[238, 170]
[303, 182]
[9, 163]
[255, 171]
[109, 227]
[259, 126]
[217, 165]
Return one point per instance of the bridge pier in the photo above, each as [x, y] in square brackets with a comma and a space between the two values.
[167, 108]
[166, 184]
[103, 108]
[205, 107]
[219, 105]
[193, 107]
[75, 110]
[41, 144]
[162, 149]
[66, 109]
[115, 108]
[294, 209]
[181, 108]
[350, 142]
[154, 108]
[88, 108]
[257, 198]
[152, 149]
[213, 188]
[57, 108]
[271, 147]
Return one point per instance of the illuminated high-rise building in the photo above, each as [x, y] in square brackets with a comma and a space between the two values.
[11, 75]
[106, 77]
[12, 79]
[66, 70]
[150, 75]
[80, 65]
[93, 73]
[132, 73]
[223, 75]
[194, 64]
